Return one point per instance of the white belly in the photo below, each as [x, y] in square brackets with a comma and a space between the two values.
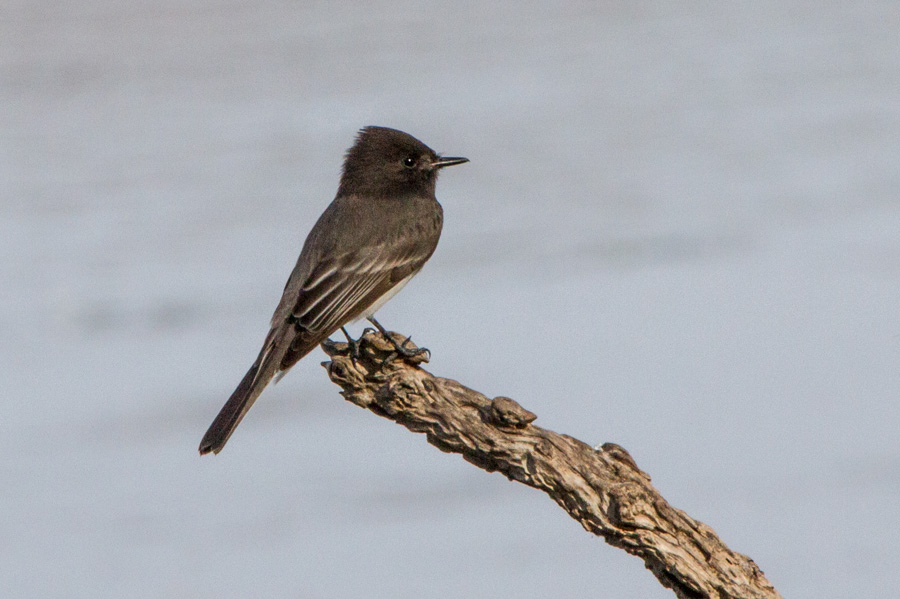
[370, 311]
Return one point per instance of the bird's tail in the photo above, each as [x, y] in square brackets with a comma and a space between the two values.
[233, 411]
[257, 378]
[284, 346]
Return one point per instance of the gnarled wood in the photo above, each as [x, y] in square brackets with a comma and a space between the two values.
[602, 488]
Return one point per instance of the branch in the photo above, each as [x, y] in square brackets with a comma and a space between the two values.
[601, 488]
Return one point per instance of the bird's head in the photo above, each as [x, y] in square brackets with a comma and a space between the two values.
[386, 162]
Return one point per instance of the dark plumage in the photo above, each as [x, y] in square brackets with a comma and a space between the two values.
[379, 231]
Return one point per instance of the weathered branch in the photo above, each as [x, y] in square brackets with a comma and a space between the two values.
[601, 488]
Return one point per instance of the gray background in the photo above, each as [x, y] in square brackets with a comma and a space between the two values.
[679, 231]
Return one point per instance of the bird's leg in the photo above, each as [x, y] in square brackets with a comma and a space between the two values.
[353, 344]
[401, 349]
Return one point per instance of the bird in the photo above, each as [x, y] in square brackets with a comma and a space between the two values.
[382, 226]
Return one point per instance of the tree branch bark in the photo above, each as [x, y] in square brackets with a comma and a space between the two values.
[601, 488]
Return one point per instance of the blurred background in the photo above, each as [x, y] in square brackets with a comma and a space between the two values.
[679, 231]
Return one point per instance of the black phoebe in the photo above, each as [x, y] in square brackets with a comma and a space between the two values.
[379, 231]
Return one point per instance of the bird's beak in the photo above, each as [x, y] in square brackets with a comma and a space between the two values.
[442, 162]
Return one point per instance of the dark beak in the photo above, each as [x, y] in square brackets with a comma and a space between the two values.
[442, 162]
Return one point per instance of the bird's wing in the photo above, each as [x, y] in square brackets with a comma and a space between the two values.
[339, 290]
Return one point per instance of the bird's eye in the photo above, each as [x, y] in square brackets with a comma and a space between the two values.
[409, 161]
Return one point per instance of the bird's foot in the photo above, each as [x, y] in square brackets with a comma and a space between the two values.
[354, 344]
[409, 352]
[413, 354]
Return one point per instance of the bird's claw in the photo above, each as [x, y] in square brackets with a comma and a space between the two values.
[407, 353]
[400, 349]
[354, 344]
